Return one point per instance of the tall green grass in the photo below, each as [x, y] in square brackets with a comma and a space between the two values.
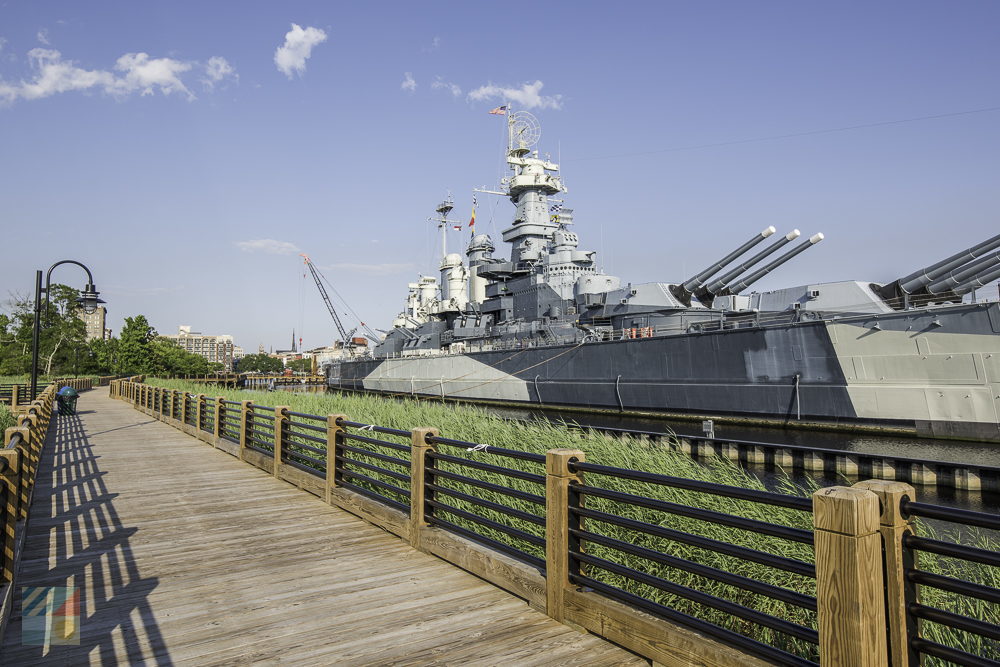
[475, 425]
[6, 418]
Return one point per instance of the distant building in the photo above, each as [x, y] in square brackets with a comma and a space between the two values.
[215, 348]
[238, 353]
[95, 323]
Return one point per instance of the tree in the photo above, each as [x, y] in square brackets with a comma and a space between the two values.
[61, 343]
[301, 365]
[260, 363]
[135, 350]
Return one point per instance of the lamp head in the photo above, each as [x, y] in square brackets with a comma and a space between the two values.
[89, 299]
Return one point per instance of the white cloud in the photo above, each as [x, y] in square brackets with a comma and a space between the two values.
[292, 55]
[373, 269]
[3, 42]
[441, 84]
[43, 36]
[146, 75]
[216, 69]
[269, 246]
[527, 96]
[132, 73]
[434, 46]
[408, 82]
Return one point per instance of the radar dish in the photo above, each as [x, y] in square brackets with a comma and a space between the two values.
[524, 130]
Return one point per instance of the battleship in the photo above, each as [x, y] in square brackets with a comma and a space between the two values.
[544, 326]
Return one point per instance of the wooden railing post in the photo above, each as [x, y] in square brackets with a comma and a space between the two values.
[15, 394]
[10, 479]
[220, 411]
[894, 527]
[334, 439]
[849, 588]
[184, 408]
[244, 419]
[558, 479]
[419, 463]
[24, 467]
[280, 419]
[199, 411]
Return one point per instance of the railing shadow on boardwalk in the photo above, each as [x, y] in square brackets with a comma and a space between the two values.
[73, 512]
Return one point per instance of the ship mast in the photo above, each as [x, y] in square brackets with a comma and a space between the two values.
[443, 209]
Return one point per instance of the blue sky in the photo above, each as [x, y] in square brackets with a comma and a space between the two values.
[187, 152]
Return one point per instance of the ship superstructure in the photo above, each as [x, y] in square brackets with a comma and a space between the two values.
[545, 325]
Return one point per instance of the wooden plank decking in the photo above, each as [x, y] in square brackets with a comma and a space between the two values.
[184, 555]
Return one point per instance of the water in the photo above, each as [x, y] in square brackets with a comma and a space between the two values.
[952, 451]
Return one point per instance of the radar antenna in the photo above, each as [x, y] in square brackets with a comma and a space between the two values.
[524, 131]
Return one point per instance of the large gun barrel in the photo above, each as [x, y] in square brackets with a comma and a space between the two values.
[698, 279]
[741, 285]
[984, 278]
[927, 275]
[963, 273]
[720, 283]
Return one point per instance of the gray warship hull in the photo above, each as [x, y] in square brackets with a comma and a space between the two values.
[934, 371]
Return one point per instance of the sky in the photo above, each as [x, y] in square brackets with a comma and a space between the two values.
[187, 152]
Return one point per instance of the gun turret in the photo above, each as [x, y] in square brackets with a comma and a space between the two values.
[984, 278]
[684, 290]
[963, 274]
[899, 289]
[719, 284]
[741, 285]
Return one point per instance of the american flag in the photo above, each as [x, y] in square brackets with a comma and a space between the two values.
[499, 111]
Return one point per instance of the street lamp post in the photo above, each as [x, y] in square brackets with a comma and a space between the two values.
[88, 299]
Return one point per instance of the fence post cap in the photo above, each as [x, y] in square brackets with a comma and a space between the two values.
[890, 495]
[557, 461]
[846, 510]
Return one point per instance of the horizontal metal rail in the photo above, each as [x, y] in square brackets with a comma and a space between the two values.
[954, 655]
[308, 427]
[488, 541]
[305, 415]
[375, 482]
[487, 467]
[499, 451]
[964, 623]
[753, 495]
[952, 585]
[489, 486]
[952, 550]
[489, 523]
[375, 455]
[379, 498]
[744, 553]
[372, 427]
[707, 571]
[398, 476]
[375, 441]
[727, 606]
[952, 514]
[735, 639]
[487, 504]
[751, 525]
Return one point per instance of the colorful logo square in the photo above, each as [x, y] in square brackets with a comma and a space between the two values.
[50, 615]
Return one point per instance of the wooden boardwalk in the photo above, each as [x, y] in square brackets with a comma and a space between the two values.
[184, 555]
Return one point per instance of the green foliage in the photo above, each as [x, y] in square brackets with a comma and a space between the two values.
[135, 347]
[300, 365]
[259, 363]
[6, 418]
[62, 349]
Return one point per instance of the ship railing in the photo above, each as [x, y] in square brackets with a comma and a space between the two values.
[643, 559]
